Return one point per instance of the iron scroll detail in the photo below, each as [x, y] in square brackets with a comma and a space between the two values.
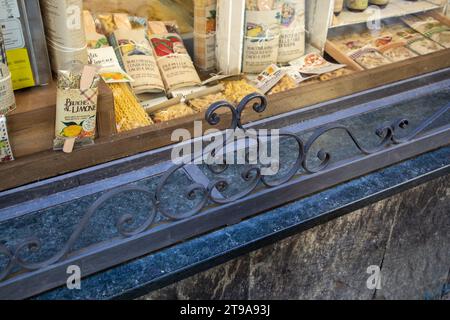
[202, 195]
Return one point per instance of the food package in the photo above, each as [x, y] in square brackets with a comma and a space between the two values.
[262, 35]
[94, 38]
[6, 154]
[64, 29]
[267, 79]
[173, 112]
[154, 10]
[26, 49]
[414, 40]
[128, 36]
[394, 50]
[370, 58]
[205, 13]
[7, 99]
[292, 31]
[314, 63]
[129, 113]
[76, 105]
[430, 27]
[230, 35]
[177, 68]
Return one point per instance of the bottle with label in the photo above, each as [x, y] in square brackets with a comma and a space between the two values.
[7, 99]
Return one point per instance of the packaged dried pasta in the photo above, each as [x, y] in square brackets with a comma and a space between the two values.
[173, 112]
[292, 31]
[64, 30]
[262, 35]
[128, 35]
[177, 68]
[205, 34]
[7, 99]
[6, 154]
[94, 38]
[76, 106]
[129, 113]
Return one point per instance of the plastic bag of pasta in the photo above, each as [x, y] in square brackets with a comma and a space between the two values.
[76, 106]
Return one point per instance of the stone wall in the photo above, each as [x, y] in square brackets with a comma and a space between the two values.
[406, 235]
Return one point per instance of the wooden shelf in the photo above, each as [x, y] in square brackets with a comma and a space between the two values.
[395, 8]
[109, 146]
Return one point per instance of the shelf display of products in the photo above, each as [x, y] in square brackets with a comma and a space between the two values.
[26, 48]
[7, 99]
[394, 42]
[159, 65]
[430, 27]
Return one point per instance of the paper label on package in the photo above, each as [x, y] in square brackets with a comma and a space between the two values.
[110, 71]
[259, 53]
[313, 63]
[139, 61]
[13, 34]
[76, 112]
[267, 79]
[9, 9]
[178, 71]
[292, 34]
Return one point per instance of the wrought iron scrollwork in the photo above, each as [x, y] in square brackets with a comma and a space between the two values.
[201, 195]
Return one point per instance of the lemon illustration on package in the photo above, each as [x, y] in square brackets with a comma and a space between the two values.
[83, 130]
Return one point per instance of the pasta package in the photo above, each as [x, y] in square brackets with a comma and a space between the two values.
[76, 105]
[292, 31]
[129, 113]
[414, 40]
[7, 99]
[205, 12]
[431, 28]
[66, 39]
[6, 154]
[370, 58]
[94, 38]
[128, 35]
[262, 35]
[177, 68]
